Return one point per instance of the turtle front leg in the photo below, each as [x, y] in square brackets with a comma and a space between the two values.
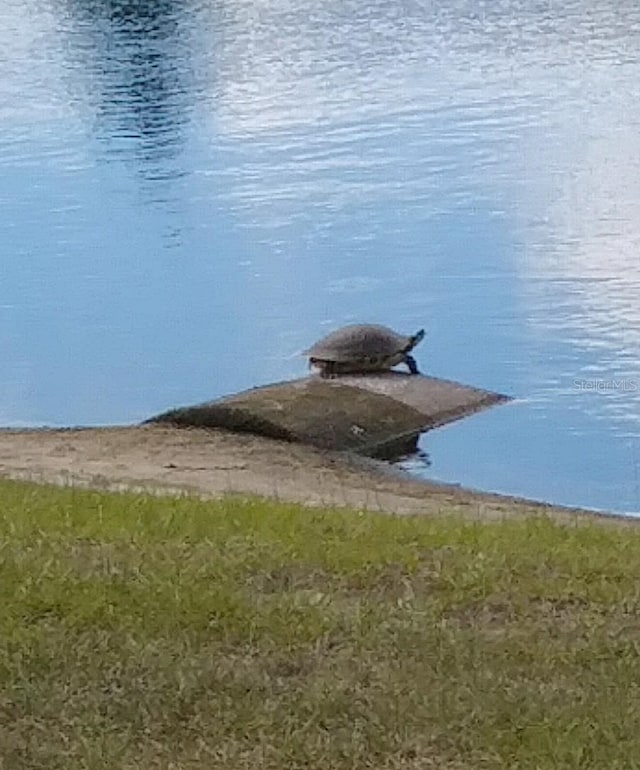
[410, 361]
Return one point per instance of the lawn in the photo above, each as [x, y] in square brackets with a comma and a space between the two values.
[146, 632]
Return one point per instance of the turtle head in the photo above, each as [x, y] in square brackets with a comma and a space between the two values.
[416, 338]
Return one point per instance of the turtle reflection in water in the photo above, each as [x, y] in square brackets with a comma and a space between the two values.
[363, 348]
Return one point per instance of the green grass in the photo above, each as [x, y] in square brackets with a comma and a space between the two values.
[144, 632]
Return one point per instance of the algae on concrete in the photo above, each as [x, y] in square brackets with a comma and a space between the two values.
[376, 414]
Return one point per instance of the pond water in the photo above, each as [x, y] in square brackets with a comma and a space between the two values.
[192, 192]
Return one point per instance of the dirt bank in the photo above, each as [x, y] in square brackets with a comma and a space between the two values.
[214, 462]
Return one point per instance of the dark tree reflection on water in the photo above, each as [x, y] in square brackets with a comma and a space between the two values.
[138, 76]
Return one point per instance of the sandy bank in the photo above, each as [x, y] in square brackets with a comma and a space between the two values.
[215, 462]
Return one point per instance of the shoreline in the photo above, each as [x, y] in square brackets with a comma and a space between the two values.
[212, 463]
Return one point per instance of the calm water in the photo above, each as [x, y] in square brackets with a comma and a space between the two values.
[192, 192]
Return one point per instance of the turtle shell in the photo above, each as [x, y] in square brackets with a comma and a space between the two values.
[361, 341]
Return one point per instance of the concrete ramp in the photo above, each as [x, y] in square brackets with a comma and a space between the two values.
[379, 415]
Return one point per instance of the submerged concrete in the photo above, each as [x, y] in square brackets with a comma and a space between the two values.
[380, 415]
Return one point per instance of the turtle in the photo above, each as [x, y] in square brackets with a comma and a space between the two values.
[359, 348]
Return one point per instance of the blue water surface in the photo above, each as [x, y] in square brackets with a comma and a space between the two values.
[192, 192]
